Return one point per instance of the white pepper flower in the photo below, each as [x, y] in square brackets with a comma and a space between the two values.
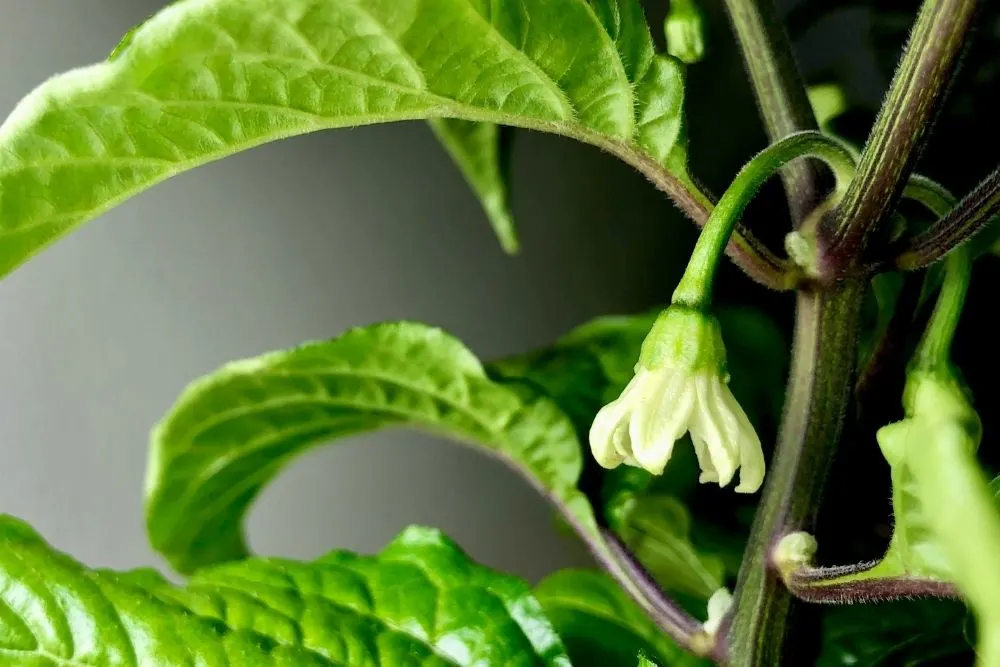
[681, 386]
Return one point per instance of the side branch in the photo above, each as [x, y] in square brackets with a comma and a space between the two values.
[901, 129]
[962, 223]
[847, 585]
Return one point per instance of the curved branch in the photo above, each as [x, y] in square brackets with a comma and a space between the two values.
[962, 223]
[827, 585]
[613, 557]
[748, 252]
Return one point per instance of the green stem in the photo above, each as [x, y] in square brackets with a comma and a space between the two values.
[903, 124]
[751, 255]
[934, 351]
[819, 392]
[779, 89]
[695, 287]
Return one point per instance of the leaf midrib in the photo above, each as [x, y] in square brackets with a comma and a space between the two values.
[237, 412]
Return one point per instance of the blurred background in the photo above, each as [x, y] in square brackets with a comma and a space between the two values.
[305, 238]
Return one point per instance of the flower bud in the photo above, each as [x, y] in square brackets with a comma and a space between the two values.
[685, 31]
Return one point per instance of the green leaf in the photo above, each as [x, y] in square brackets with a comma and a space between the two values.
[828, 101]
[421, 602]
[478, 150]
[897, 634]
[231, 432]
[657, 529]
[601, 625]
[206, 78]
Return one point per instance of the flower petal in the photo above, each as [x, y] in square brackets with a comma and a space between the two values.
[708, 471]
[752, 464]
[602, 431]
[663, 423]
[647, 397]
[709, 425]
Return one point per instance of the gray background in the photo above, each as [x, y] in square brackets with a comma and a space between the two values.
[293, 241]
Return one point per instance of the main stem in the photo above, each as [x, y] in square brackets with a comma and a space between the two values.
[819, 390]
[780, 91]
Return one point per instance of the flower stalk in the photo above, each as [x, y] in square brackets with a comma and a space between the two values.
[695, 287]
[680, 383]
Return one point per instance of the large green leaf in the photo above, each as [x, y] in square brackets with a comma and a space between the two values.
[601, 626]
[206, 78]
[478, 147]
[420, 603]
[234, 430]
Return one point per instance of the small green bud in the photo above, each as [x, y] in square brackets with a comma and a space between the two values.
[794, 551]
[685, 31]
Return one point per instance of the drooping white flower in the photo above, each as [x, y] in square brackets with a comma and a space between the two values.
[680, 386]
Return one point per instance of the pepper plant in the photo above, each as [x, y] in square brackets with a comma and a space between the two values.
[649, 433]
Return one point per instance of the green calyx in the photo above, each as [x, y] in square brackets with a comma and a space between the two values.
[685, 338]
[932, 397]
[937, 395]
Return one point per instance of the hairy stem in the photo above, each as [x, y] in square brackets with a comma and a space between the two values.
[670, 616]
[615, 559]
[780, 92]
[919, 87]
[956, 227]
[819, 390]
[848, 585]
